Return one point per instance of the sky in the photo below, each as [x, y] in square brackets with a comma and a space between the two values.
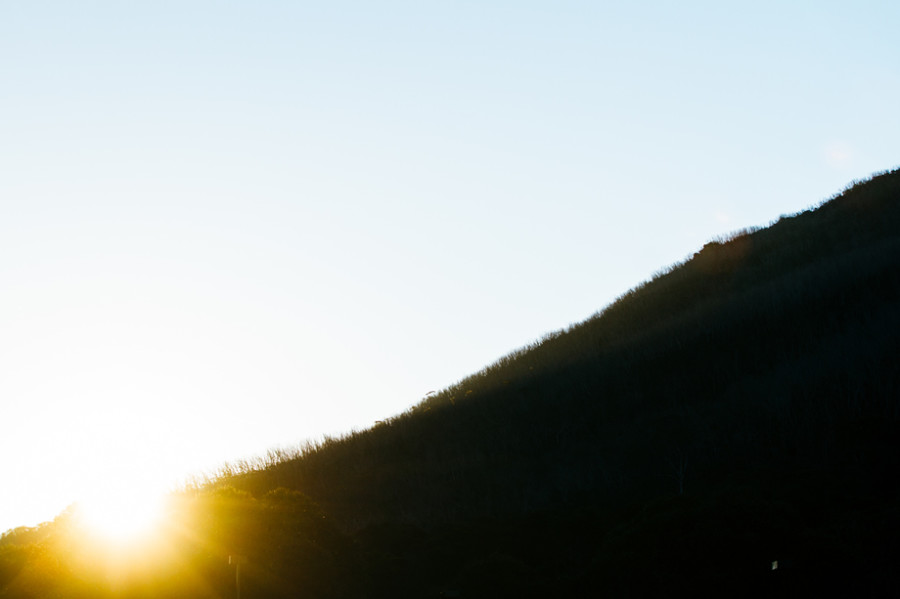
[232, 226]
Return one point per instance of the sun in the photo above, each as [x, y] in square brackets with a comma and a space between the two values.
[122, 516]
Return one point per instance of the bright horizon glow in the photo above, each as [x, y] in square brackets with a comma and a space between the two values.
[126, 517]
[227, 227]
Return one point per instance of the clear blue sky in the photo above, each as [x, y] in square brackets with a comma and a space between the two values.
[226, 226]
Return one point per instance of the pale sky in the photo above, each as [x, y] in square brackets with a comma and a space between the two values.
[229, 226]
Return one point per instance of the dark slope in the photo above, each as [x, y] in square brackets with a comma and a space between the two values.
[790, 331]
[740, 408]
[762, 372]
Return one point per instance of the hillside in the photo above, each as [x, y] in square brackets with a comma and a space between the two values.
[740, 408]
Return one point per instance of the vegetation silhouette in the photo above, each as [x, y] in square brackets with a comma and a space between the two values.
[727, 428]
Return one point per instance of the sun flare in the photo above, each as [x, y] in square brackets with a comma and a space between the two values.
[122, 517]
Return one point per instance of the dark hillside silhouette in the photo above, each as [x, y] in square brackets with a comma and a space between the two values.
[728, 428]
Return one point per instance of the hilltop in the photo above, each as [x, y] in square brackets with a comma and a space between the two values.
[727, 427]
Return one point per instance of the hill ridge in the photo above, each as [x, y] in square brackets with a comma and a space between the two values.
[736, 412]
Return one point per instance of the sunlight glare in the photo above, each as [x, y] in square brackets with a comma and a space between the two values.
[122, 517]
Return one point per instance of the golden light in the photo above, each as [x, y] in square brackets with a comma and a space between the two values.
[122, 517]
